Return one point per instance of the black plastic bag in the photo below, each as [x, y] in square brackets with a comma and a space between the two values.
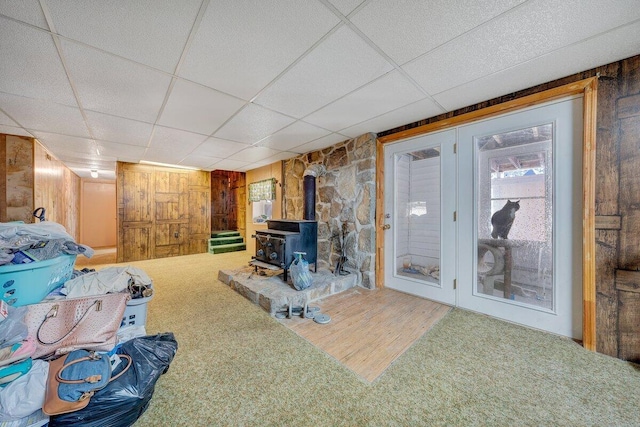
[125, 399]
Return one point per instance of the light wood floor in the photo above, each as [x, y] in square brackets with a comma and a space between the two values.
[369, 329]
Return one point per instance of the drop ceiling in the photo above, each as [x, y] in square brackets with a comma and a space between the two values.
[239, 84]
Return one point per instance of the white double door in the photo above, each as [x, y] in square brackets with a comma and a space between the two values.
[441, 192]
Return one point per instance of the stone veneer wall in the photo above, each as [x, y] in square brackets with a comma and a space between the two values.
[345, 203]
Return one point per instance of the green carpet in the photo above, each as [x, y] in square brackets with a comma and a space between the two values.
[236, 366]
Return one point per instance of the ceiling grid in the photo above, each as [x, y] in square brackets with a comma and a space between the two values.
[237, 85]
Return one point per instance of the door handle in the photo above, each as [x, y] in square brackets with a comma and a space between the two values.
[386, 226]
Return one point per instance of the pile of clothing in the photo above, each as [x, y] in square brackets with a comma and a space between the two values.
[77, 326]
[124, 398]
[26, 243]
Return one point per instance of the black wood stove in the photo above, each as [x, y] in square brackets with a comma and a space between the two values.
[275, 246]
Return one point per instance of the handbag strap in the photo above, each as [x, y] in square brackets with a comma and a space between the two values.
[54, 312]
[129, 362]
[93, 378]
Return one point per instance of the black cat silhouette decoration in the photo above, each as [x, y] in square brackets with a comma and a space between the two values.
[502, 220]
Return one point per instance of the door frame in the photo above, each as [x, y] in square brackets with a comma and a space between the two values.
[588, 88]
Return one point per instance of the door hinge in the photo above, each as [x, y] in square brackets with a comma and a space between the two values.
[455, 147]
[455, 283]
[455, 216]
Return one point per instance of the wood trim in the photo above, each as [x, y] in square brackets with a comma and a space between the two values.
[587, 88]
[589, 215]
[495, 110]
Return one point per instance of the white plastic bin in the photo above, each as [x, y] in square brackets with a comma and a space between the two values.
[135, 314]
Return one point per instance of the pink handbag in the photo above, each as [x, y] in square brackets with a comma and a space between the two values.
[89, 323]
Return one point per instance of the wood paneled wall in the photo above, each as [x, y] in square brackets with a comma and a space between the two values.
[16, 178]
[162, 211]
[53, 186]
[617, 196]
[58, 190]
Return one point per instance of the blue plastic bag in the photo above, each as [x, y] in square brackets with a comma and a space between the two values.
[299, 270]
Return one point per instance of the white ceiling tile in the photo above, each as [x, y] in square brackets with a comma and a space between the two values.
[241, 46]
[462, 52]
[408, 114]
[83, 150]
[122, 152]
[346, 6]
[340, 64]
[117, 129]
[283, 155]
[229, 165]
[563, 62]
[12, 130]
[82, 167]
[320, 143]
[254, 154]
[78, 163]
[529, 31]
[197, 108]
[162, 156]
[384, 94]
[252, 124]
[406, 29]
[152, 32]
[28, 11]
[178, 141]
[61, 144]
[6, 120]
[84, 172]
[30, 64]
[44, 115]
[221, 148]
[202, 162]
[111, 85]
[293, 135]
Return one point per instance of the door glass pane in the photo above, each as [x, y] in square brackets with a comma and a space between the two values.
[514, 187]
[418, 215]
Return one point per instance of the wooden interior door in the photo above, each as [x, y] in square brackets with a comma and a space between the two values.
[171, 212]
[161, 211]
[135, 213]
[219, 200]
[228, 201]
[199, 212]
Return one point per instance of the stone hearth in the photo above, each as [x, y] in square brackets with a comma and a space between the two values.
[274, 295]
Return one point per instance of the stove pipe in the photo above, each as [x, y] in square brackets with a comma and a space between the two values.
[309, 177]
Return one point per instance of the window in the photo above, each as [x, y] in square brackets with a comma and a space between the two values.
[261, 211]
[261, 196]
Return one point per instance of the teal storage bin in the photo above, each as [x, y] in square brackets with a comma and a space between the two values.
[22, 284]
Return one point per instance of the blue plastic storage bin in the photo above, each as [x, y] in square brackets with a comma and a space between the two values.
[22, 284]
